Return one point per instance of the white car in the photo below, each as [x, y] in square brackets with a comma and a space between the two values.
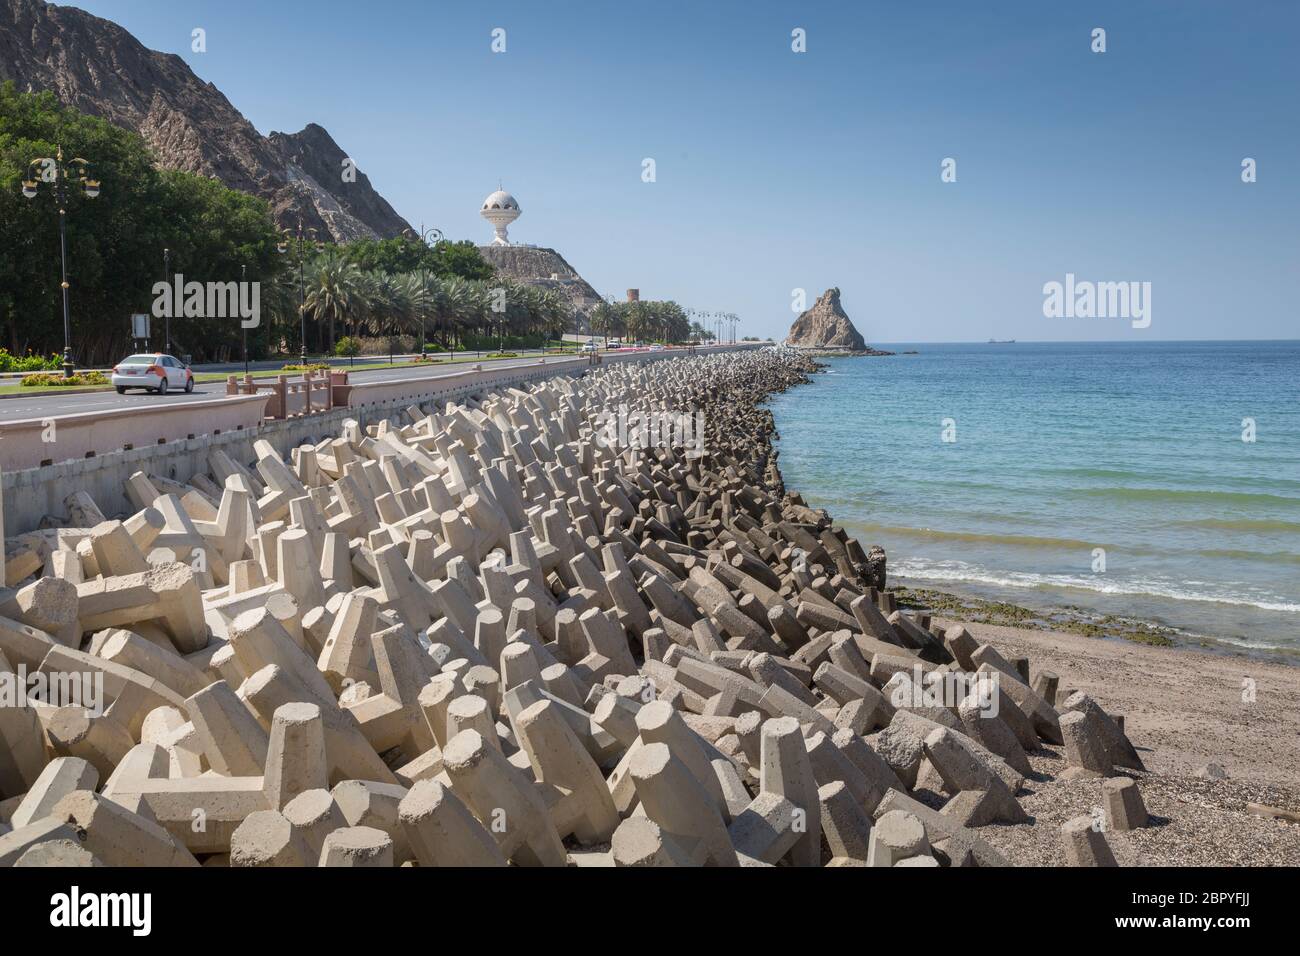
[154, 372]
[656, 347]
[590, 346]
[616, 343]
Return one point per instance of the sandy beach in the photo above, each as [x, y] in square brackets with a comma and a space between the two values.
[1182, 709]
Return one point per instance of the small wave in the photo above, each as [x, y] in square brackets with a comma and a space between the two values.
[1032, 581]
[1272, 557]
[1093, 472]
[1023, 540]
[1188, 494]
[1239, 524]
[1250, 645]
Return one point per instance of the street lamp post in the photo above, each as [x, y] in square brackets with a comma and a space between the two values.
[243, 329]
[54, 170]
[167, 318]
[430, 237]
[283, 246]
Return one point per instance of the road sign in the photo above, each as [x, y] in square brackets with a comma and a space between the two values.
[140, 325]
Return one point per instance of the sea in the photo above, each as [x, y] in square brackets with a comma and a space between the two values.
[1155, 482]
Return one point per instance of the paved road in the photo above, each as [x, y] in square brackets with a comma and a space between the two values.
[270, 365]
[49, 404]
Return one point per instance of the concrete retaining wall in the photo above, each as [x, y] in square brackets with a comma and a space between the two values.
[28, 442]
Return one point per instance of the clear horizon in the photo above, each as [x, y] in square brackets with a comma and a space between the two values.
[778, 170]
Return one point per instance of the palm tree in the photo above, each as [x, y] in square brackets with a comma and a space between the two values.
[454, 301]
[281, 297]
[416, 297]
[464, 303]
[384, 304]
[401, 315]
[511, 308]
[677, 326]
[554, 314]
[635, 321]
[331, 292]
[372, 303]
[435, 302]
[602, 320]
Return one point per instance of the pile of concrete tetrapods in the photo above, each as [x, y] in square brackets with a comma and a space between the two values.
[580, 623]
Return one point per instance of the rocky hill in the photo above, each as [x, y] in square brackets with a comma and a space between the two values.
[826, 326]
[313, 158]
[544, 268]
[97, 67]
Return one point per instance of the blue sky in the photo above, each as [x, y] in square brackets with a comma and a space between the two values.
[779, 171]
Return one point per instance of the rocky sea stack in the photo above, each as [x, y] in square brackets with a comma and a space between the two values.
[826, 328]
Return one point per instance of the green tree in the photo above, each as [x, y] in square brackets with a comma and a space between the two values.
[555, 314]
[417, 299]
[114, 242]
[602, 320]
[408, 253]
[333, 293]
[461, 259]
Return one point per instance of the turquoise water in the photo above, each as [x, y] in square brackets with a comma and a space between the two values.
[1061, 449]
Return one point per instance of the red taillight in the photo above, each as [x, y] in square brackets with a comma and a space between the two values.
[154, 370]
[114, 369]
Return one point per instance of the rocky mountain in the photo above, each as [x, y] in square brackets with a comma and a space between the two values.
[97, 67]
[826, 326]
[313, 158]
[544, 268]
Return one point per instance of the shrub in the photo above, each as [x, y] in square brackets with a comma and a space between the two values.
[433, 347]
[29, 362]
[312, 367]
[381, 345]
[58, 380]
[347, 346]
[497, 355]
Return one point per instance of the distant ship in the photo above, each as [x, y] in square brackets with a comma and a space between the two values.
[1002, 341]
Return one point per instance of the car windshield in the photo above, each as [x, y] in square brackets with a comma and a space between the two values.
[139, 360]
